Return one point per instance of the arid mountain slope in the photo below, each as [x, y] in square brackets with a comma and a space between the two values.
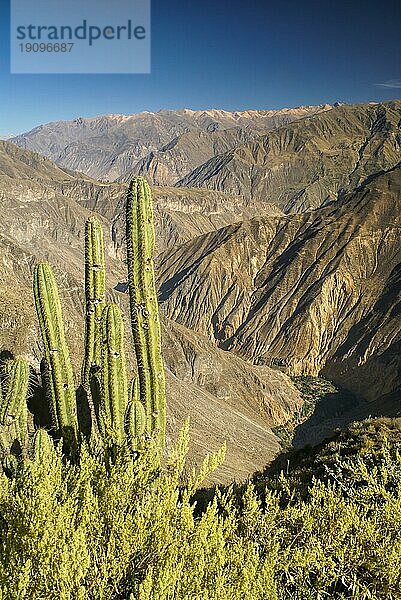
[186, 152]
[43, 215]
[181, 213]
[317, 292]
[227, 399]
[307, 163]
[108, 146]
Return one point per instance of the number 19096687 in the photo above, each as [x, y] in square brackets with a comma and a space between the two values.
[46, 47]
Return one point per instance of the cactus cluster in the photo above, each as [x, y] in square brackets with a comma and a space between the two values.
[118, 410]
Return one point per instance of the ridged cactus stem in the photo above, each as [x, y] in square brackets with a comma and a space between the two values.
[94, 296]
[134, 389]
[59, 368]
[113, 384]
[135, 422]
[21, 428]
[15, 397]
[144, 306]
[42, 445]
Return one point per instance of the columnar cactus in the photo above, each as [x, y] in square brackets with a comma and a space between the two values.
[60, 376]
[42, 445]
[144, 306]
[94, 297]
[113, 374]
[13, 401]
[135, 422]
[13, 406]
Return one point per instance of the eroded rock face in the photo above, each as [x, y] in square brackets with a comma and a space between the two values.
[311, 293]
[309, 162]
[227, 399]
[188, 151]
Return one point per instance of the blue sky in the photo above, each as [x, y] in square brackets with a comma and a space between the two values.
[227, 54]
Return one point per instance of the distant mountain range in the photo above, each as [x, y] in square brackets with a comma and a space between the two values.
[279, 242]
[295, 158]
[309, 162]
[108, 146]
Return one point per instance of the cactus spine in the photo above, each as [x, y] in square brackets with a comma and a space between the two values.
[61, 388]
[144, 306]
[113, 384]
[95, 297]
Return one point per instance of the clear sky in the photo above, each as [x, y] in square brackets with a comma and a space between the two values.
[228, 54]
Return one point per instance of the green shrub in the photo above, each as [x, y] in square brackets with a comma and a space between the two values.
[128, 530]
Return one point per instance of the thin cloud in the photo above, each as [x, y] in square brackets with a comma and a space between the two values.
[391, 83]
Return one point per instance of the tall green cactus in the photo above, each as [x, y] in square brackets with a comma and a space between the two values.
[144, 306]
[94, 296]
[61, 387]
[113, 374]
[135, 422]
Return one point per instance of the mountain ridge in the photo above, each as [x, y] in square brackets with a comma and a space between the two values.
[303, 164]
[80, 144]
